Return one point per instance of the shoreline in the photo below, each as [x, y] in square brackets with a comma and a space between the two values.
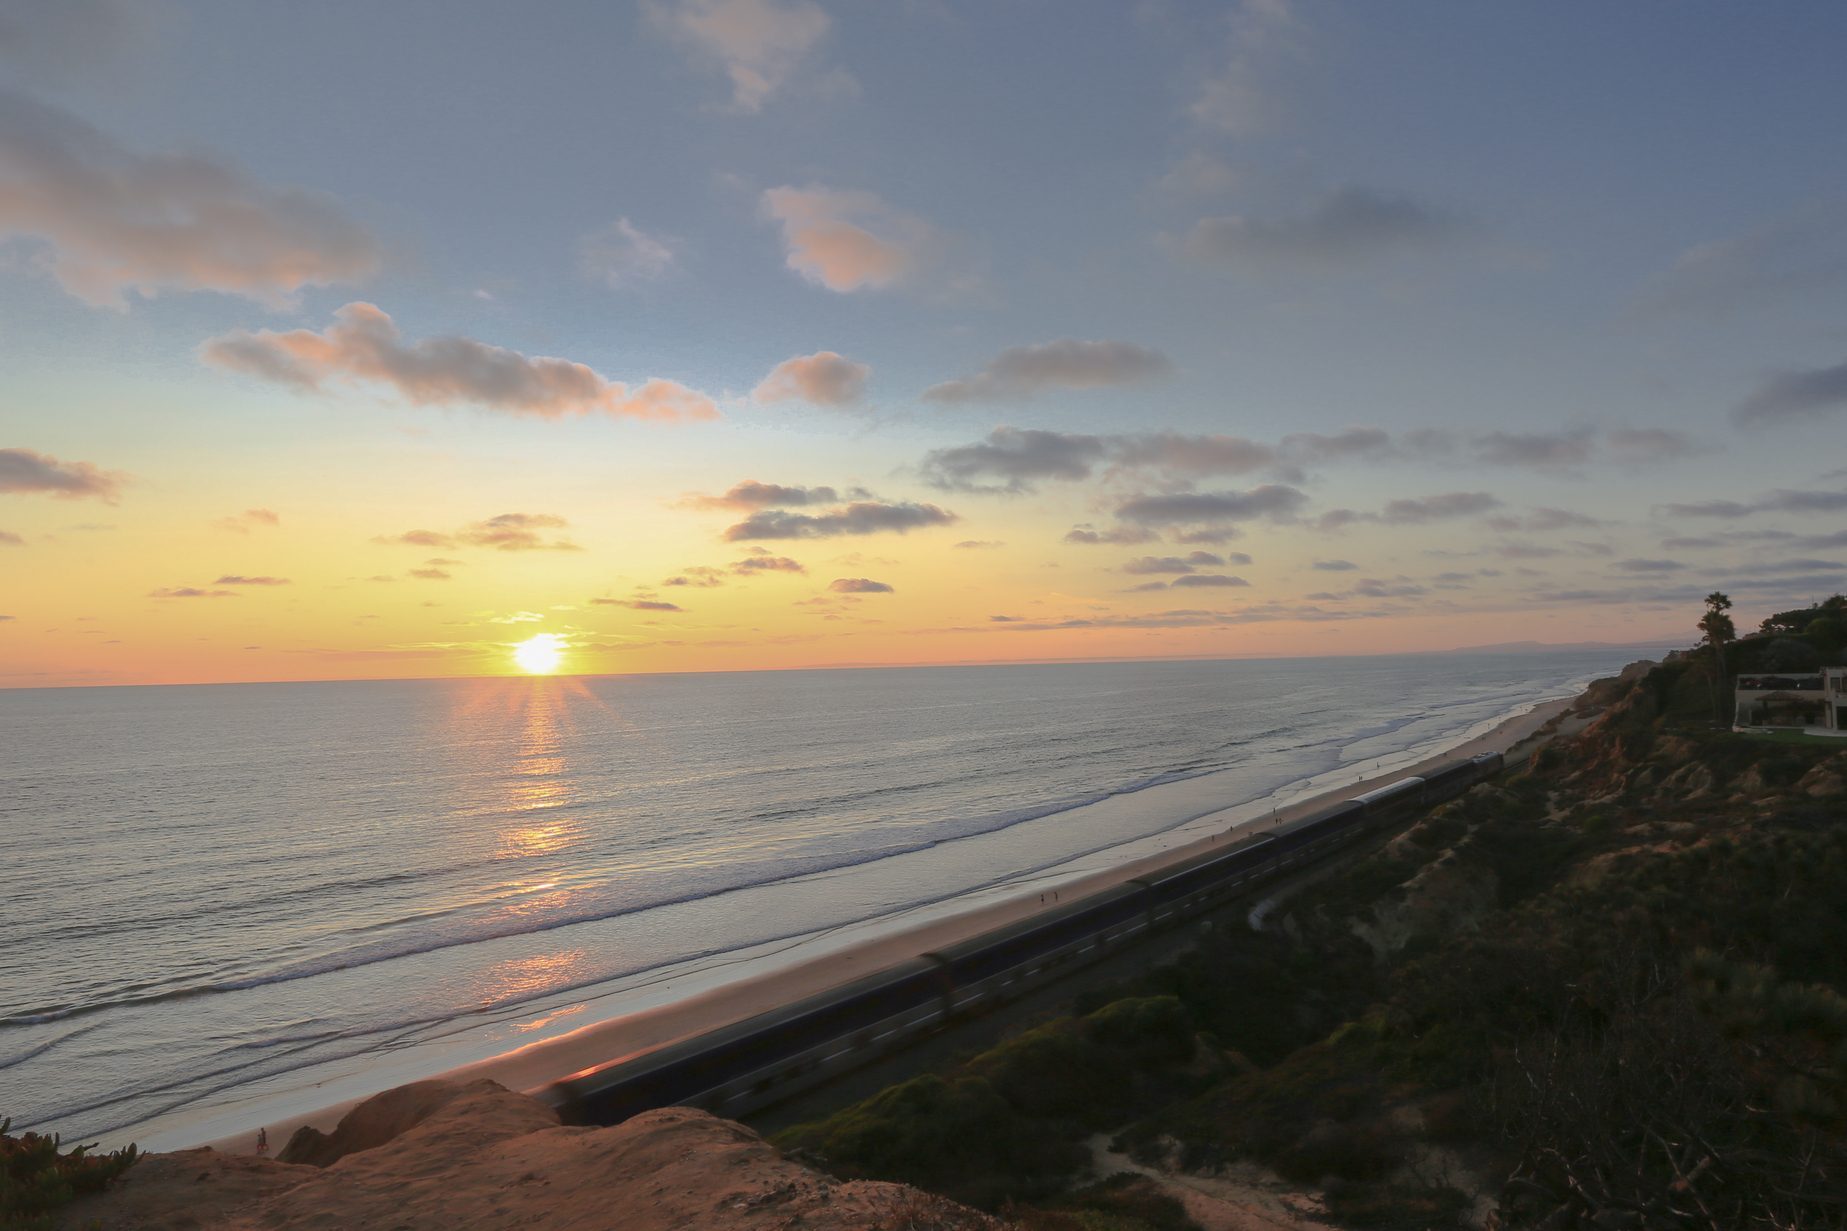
[534, 1068]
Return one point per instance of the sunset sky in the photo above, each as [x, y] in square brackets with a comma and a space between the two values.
[365, 340]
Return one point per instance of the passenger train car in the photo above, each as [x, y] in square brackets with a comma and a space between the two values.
[752, 1063]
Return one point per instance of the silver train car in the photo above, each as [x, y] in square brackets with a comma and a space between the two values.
[753, 1063]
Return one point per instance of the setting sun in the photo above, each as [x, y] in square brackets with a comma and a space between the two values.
[539, 654]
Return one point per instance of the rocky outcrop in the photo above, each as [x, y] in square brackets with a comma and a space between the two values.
[436, 1156]
[1825, 781]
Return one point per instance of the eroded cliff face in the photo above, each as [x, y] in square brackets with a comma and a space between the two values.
[441, 1155]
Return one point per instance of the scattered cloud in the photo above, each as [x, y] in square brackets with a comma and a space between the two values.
[1783, 500]
[751, 494]
[1271, 501]
[504, 532]
[764, 562]
[637, 604]
[858, 585]
[1175, 564]
[517, 532]
[1012, 460]
[1353, 227]
[189, 592]
[431, 574]
[1126, 536]
[9, 539]
[848, 240]
[248, 520]
[1264, 39]
[1412, 512]
[1335, 566]
[116, 221]
[1794, 396]
[1802, 252]
[978, 544]
[363, 344]
[762, 45]
[1021, 372]
[699, 577]
[1642, 565]
[859, 517]
[1544, 519]
[824, 378]
[1544, 450]
[1208, 579]
[622, 253]
[238, 579]
[1192, 455]
[1649, 444]
[22, 470]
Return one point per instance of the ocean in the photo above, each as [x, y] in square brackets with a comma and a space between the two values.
[219, 900]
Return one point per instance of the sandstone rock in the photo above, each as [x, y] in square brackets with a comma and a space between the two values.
[1825, 780]
[439, 1156]
[1690, 781]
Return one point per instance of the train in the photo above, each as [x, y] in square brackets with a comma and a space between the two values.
[753, 1063]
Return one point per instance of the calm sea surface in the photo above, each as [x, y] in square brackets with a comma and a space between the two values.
[214, 896]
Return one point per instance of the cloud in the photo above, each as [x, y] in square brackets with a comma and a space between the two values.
[637, 604]
[236, 579]
[1237, 100]
[248, 520]
[22, 470]
[1209, 579]
[1166, 564]
[1640, 565]
[978, 544]
[1544, 519]
[517, 532]
[1192, 454]
[1021, 372]
[116, 221]
[848, 240]
[1411, 512]
[431, 574]
[697, 576]
[1353, 227]
[1799, 253]
[363, 344]
[1782, 500]
[1014, 459]
[1794, 396]
[623, 253]
[859, 517]
[1543, 450]
[1649, 444]
[751, 494]
[1272, 501]
[189, 592]
[1335, 566]
[9, 539]
[1373, 587]
[505, 532]
[763, 562]
[858, 585]
[761, 44]
[1090, 536]
[824, 378]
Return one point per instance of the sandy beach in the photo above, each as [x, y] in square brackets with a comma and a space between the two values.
[537, 1066]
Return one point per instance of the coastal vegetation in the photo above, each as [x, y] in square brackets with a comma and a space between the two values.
[38, 1178]
[1606, 991]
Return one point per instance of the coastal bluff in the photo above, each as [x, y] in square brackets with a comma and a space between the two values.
[437, 1155]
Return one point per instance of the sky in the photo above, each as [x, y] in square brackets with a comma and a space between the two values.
[358, 340]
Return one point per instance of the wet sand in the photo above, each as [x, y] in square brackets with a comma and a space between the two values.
[534, 1068]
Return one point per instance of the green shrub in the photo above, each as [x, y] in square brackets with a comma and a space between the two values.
[36, 1180]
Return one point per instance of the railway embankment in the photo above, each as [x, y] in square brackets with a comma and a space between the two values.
[1604, 990]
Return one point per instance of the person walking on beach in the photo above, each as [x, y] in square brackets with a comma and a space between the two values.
[262, 1141]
